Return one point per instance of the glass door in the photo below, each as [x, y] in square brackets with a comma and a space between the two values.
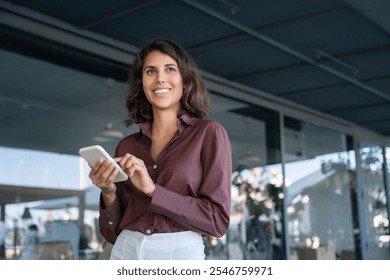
[373, 204]
[318, 192]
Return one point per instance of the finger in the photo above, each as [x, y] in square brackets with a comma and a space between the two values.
[95, 167]
[112, 175]
[135, 167]
[102, 167]
[100, 173]
[107, 168]
[118, 159]
[124, 160]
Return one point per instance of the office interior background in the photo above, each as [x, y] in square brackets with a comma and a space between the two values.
[302, 87]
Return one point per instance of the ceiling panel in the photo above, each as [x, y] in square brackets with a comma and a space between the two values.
[337, 98]
[171, 19]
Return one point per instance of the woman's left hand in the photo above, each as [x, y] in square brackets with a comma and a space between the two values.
[138, 174]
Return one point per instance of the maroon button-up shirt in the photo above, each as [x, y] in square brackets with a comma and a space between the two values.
[193, 183]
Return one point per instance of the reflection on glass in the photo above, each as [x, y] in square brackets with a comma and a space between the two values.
[257, 207]
[375, 201]
[318, 193]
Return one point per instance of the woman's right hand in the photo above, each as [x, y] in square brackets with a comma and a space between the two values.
[102, 175]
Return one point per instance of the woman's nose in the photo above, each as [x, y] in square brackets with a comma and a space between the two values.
[160, 78]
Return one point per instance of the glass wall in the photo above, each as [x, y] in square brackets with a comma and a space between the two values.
[256, 229]
[374, 203]
[314, 205]
[319, 192]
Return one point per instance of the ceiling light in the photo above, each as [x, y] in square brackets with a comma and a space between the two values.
[26, 214]
[249, 157]
[108, 134]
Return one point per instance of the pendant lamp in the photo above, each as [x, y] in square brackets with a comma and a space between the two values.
[107, 133]
[249, 158]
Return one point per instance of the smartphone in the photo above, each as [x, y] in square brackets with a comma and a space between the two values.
[93, 153]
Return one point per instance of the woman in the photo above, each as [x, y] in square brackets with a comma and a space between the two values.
[179, 164]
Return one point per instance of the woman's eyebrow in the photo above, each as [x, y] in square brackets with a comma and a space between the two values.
[154, 67]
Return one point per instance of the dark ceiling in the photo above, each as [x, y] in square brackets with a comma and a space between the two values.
[331, 57]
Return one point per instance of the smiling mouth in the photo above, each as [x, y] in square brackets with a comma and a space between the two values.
[162, 90]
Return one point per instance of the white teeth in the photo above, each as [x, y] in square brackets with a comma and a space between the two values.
[162, 90]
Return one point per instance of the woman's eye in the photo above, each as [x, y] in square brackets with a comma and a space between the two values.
[150, 72]
[171, 69]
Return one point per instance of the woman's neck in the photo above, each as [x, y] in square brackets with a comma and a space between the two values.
[164, 124]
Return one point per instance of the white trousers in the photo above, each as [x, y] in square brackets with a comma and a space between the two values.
[132, 245]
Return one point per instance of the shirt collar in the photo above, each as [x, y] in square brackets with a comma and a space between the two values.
[184, 119]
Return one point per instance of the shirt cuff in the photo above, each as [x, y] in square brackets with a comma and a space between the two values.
[108, 215]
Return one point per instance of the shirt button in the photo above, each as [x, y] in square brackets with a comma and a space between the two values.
[110, 223]
[154, 166]
[148, 231]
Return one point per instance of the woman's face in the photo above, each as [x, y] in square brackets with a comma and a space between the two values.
[162, 81]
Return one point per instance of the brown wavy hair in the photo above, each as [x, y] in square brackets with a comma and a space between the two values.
[195, 99]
